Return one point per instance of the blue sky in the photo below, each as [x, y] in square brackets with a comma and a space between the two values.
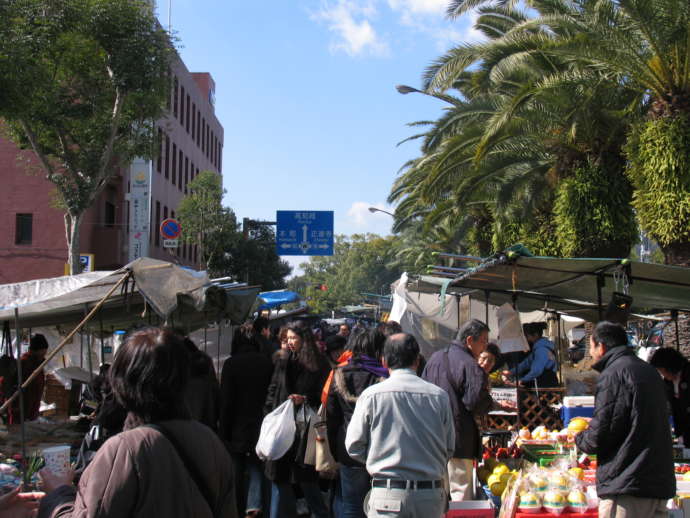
[305, 90]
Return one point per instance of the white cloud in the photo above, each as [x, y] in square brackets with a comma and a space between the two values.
[350, 20]
[361, 219]
[426, 7]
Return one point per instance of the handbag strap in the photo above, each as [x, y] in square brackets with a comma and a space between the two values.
[192, 468]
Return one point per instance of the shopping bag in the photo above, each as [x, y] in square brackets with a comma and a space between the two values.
[304, 416]
[277, 432]
[324, 462]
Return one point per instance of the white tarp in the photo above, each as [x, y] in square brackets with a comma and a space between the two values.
[435, 322]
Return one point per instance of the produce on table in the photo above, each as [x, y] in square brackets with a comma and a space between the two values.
[554, 501]
[578, 424]
[529, 503]
[559, 482]
[578, 473]
[577, 501]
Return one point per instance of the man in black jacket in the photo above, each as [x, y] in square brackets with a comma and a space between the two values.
[455, 369]
[630, 431]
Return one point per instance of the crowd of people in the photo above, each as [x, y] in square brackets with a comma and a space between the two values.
[175, 442]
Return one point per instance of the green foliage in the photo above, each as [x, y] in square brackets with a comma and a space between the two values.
[82, 83]
[361, 263]
[538, 234]
[215, 230]
[659, 167]
[594, 198]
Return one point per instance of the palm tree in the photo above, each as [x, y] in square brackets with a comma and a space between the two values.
[514, 140]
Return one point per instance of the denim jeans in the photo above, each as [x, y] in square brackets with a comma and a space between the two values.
[283, 500]
[249, 494]
[355, 483]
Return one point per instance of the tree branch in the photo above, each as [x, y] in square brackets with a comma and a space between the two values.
[50, 172]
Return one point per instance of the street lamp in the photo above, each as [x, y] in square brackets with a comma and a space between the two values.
[404, 89]
[376, 209]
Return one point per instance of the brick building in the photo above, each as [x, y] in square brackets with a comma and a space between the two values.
[32, 232]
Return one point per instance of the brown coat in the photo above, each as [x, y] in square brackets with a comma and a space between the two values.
[138, 474]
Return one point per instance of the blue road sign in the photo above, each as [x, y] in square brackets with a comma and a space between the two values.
[304, 232]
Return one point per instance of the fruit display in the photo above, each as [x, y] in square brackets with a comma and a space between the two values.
[538, 482]
[554, 501]
[497, 479]
[559, 482]
[578, 424]
[530, 503]
[512, 452]
[541, 435]
[577, 501]
[682, 469]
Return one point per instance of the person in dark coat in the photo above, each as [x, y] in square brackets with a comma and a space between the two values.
[31, 360]
[629, 431]
[455, 369]
[262, 334]
[300, 373]
[675, 370]
[202, 393]
[244, 385]
[363, 370]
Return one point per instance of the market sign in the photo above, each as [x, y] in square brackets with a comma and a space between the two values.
[504, 395]
[140, 208]
[304, 232]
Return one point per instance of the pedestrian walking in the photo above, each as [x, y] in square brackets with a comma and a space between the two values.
[361, 371]
[163, 463]
[402, 430]
[300, 373]
[244, 384]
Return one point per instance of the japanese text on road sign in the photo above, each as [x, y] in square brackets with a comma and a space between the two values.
[304, 232]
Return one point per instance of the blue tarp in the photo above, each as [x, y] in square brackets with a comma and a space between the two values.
[273, 299]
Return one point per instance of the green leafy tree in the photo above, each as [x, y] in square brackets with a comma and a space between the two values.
[224, 250]
[361, 263]
[202, 216]
[82, 83]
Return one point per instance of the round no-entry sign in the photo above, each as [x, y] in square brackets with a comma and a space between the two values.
[170, 228]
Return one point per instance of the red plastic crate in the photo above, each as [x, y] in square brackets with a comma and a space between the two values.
[470, 509]
[591, 513]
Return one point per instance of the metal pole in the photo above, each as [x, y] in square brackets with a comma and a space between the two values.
[220, 323]
[88, 347]
[674, 314]
[20, 389]
[486, 307]
[600, 285]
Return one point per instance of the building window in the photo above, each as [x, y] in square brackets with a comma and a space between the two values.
[179, 178]
[186, 173]
[167, 156]
[186, 117]
[157, 223]
[208, 141]
[193, 120]
[175, 93]
[23, 234]
[109, 214]
[167, 101]
[165, 212]
[195, 256]
[174, 163]
[182, 105]
[198, 128]
[203, 135]
[220, 158]
[159, 158]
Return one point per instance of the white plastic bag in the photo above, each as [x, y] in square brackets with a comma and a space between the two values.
[277, 432]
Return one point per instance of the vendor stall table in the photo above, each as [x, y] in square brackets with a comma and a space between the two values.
[535, 407]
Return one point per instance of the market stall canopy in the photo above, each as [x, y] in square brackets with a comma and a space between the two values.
[273, 299]
[568, 285]
[176, 295]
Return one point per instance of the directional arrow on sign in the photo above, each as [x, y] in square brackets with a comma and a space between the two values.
[305, 228]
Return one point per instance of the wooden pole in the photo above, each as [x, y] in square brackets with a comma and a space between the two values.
[65, 340]
[20, 388]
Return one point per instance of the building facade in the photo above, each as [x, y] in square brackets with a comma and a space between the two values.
[32, 235]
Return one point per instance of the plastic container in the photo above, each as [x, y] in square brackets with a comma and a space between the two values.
[470, 509]
[576, 406]
[57, 459]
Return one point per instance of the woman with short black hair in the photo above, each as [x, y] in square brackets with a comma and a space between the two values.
[163, 463]
[675, 369]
